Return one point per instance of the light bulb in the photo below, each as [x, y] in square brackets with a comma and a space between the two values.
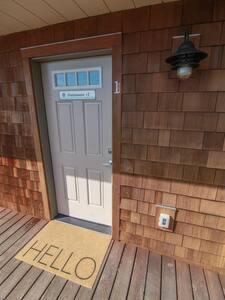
[184, 72]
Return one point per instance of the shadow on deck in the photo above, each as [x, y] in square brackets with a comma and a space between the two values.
[128, 272]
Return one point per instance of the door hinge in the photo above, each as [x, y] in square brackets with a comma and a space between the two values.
[117, 87]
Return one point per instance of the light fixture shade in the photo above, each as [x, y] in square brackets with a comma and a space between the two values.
[187, 55]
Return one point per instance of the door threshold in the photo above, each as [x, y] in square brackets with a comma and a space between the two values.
[85, 224]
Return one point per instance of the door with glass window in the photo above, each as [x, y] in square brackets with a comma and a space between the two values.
[78, 100]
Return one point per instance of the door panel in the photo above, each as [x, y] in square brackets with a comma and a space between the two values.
[65, 127]
[70, 180]
[93, 128]
[80, 133]
[94, 187]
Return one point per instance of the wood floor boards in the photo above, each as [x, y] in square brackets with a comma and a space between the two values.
[214, 285]
[184, 288]
[7, 217]
[69, 291]
[106, 281]
[222, 281]
[8, 269]
[4, 212]
[25, 283]
[199, 286]
[153, 277]
[137, 284]
[122, 282]
[14, 278]
[15, 232]
[39, 287]
[168, 279]
[127, 272]
[54, 289]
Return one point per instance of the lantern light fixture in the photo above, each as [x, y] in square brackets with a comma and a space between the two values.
[186, 58]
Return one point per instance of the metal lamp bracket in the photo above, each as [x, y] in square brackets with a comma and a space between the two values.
[182, 36]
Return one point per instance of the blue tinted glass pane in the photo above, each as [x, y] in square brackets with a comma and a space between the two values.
[60, 79]
[94, 78]
[82, 78]
[70, 79]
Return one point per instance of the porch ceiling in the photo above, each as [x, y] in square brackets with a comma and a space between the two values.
[20, 15]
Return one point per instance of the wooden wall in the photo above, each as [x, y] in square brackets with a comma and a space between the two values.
[172, 149]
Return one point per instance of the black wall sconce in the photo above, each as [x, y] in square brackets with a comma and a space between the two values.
[186, 58]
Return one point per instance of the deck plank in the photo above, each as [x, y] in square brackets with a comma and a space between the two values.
[8, 237]
[54, 289]
[153, 278]
[7, 286]
[107, 278]
[4, 212]
[39, 287]
[199, 286]
[137, 284]
[214, 285]
[126, 273]
[1, 208]
[85, 293]
[29, 232]
[7, 217]
[8, 269]
[69, 291]
[121, 285]
[168, 279]
[222, 281]
[10, 222]
[184, 287]
[25, 283]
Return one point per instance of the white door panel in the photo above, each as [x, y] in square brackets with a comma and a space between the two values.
[80, 133]
[93, 128]
[65, 127]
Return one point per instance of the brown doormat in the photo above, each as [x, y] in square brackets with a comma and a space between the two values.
[69, 251]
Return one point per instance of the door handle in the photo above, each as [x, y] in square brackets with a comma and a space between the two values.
[108, 164]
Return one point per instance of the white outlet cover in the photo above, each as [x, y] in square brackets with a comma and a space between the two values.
[164, 220]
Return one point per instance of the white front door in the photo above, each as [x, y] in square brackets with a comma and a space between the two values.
[78, 100]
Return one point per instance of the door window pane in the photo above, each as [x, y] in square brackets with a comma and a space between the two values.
[82, 78]
[77, 78]
[60, 79]
[70, 79]
[94, 77]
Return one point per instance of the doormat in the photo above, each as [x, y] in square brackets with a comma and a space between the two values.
[69, 251]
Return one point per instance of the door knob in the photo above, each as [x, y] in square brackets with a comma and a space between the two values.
[108, 164]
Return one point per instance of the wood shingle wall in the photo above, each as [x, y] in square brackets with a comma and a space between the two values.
[19, 180]
[172, 135]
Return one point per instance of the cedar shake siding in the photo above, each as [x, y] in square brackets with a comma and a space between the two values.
[172, 134]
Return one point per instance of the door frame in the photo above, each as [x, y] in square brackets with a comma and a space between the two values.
[112, 42]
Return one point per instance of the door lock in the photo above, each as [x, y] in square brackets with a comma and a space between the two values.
[108, 164]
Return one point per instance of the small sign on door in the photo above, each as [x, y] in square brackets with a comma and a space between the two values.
[77, 95]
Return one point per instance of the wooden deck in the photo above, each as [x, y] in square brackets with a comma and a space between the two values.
[127, 273]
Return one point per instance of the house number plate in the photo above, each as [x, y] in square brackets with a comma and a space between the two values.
[77, 95]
